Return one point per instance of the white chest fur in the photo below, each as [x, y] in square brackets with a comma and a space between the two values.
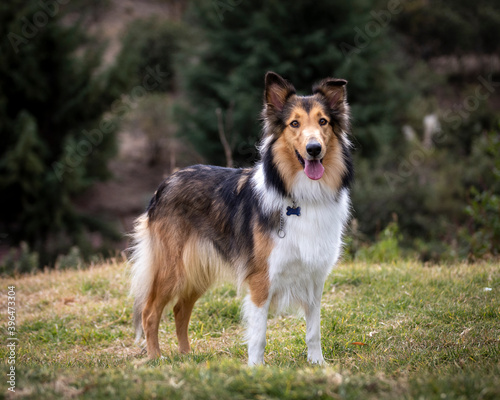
[300, 261]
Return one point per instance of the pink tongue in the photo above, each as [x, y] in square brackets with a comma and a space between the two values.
[314, 169]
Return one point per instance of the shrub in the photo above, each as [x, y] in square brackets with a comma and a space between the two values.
[385, 249]
[72, 260]
[19, 261]
[482, 236]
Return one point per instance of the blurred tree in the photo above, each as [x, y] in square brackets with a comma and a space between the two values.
[240, 41]
[153, 117]
[153, 42]
[444, 27]
[53, 141]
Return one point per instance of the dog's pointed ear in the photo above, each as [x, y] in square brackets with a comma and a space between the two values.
[277, 92]
[334, 91]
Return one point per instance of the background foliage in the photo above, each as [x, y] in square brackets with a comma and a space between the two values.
[431, 194]
[302, 43]
[53, 92]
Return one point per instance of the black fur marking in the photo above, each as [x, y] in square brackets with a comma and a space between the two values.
[240, 210]
[289, 94]
[307, 103]
[157, 195]
[285, 114]
[273, 177]
[299, 157]
[348, 177]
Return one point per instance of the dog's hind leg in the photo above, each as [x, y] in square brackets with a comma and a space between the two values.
[182, 314]
[164, 289]
[151, 315]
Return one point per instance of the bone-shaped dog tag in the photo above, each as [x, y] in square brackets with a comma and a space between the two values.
[293, 211]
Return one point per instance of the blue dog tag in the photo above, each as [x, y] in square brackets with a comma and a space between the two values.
[293, 211]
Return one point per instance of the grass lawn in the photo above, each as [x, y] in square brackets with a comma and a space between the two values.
[391, 331]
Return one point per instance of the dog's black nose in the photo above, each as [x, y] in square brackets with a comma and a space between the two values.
[313, 149]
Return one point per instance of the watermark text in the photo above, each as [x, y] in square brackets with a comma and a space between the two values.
[12, 340]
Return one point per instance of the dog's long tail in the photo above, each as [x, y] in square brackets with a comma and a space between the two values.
[142, 270]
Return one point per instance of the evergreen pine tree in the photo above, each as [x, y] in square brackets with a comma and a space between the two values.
[304, 42]
[53, 141]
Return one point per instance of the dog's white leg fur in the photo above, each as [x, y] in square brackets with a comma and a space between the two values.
[313, 328]
[256, 325]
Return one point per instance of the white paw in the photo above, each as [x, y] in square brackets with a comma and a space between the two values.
[255, 362]
[317, 361]
[316, 357]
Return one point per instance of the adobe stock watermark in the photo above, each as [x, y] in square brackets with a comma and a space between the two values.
[12, 340]
[223, 6]
[380, 20]
[455, 119]
[32, 26]
[74, 155]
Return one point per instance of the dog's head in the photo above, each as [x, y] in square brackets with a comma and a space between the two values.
[309, 132]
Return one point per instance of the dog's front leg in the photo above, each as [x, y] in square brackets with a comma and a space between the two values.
[256, 325]
[313, 329]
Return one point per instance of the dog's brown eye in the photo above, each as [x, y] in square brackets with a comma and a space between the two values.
[323, 121]
[294, 124]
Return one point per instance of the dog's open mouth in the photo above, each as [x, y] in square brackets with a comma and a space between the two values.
[313, 168]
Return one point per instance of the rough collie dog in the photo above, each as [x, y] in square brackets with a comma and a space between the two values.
[276, 228]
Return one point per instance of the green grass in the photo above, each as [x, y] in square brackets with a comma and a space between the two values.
[423, 332]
